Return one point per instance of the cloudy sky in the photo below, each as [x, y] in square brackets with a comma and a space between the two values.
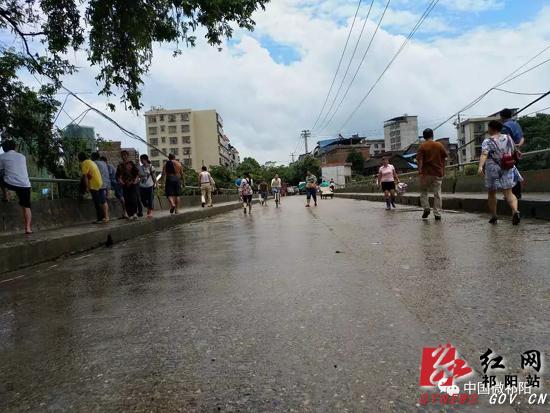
[270, 84]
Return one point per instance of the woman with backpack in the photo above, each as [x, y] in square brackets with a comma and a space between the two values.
[498, 165]
[246, 191]
[147, 184]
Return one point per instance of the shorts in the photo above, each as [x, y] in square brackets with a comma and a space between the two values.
[247, 199]
[117, 188]
[172, 186]
[388, 186]
[23, 194]
[264, 194]
[99, 196]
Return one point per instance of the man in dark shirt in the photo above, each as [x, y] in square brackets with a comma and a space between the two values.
[431, 167]
[511, 128]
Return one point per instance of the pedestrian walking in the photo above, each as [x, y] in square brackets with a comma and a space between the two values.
[311, 188]
[147, 184]
[497, 164]
[206, 183]
[263, 188]
[105, 179]
[14, 176]
[93, 183]
[128, 178]
[245, 192]
[387, 178]
[114, 186]
[431, 158]
[513, 129]
[172, 173]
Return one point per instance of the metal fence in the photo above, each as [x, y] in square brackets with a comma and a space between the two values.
[52, 188]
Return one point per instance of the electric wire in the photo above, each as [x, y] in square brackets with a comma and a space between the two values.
[336, 95]
[325, 125]
[339, 64]
[426, 13]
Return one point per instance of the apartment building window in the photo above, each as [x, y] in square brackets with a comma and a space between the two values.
[163, 139]
[161, 118]
[186, 140]
[172, 129]
[171, 118]
[173, 140]
[187, 151]
[187, 162]
[156, 164]
[185, 128]
[154, 141]
[164, 150]
[185, 117]
[152, 119]
[174, 151]
[153, 130]
[155, 152]
[162, 128]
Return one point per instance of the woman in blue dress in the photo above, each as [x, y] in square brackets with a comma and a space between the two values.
[499, 176]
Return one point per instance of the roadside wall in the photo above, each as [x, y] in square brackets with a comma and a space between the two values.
[535, 181]
[59, 213]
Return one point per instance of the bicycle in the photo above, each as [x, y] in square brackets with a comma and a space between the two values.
[277, 196]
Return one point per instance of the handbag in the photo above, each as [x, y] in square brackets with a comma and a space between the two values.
[507, 160]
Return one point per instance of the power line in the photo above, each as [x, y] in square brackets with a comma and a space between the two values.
[358, 67]
[349, 65]
[505, 80]
[339, 63]
[519, 93]
[537, 111]
[90, 107]
[426, 13]
[61, 109]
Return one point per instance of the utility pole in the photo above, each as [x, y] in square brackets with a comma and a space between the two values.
[306, 134]
[292, 156]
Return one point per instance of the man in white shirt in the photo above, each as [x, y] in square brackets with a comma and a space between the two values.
[206, 183]
[14, 177]
[276, 185]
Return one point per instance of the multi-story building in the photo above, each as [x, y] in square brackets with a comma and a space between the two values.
[376, 146]
[196, 138]
[235, 156]
[400, 132]
[470, 135]
[337, 150]
[111, 150]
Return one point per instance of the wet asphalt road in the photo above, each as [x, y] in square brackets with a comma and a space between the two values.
[291, 309]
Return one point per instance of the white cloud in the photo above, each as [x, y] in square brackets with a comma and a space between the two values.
[473, 5]
[265, 105]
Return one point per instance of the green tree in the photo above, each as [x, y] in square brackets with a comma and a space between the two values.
[117, 36]
[223, 176]
[357, 161]
[251, 166]
[299, 169]
[536, 130]
[27, 115]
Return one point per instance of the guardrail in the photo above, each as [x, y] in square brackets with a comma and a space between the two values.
[454, 167]
[56, 188]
